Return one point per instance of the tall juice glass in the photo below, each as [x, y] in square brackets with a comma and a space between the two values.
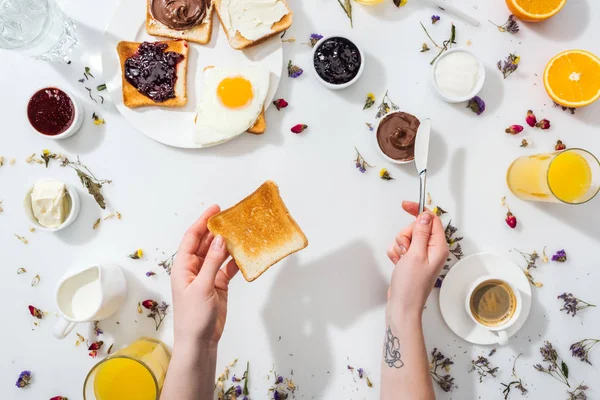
[136, 372]
[571, 176]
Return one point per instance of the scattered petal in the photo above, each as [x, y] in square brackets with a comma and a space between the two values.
[36, 312]
[370, 126]
[280, 103]
[477, 105]
[36, 279]
[150, 273]
[424, 48]
[514, 129]
[369, 101]
[560, 256]
[435, 18]
[543, 124]
[525, 142]
[24, 379]
[560, 146]
[21, 271]
[299, 128]
[22, 239]
[294, 71]
[530, 118]
[385, 175]
[96, 224]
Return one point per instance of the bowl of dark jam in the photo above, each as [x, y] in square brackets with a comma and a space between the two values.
[338, 61]
[54, 113]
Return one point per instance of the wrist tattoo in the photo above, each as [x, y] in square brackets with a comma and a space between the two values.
[391, 350]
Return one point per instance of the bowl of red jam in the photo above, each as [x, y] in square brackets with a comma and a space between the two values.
[338, 62]
[54, 113]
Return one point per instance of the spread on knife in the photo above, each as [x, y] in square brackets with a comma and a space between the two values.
[337, 60]
[180, 14]
[396, 135]
[153, 71]
[50, 203]
[51, 111]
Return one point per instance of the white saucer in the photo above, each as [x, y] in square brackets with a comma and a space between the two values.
[454, 291]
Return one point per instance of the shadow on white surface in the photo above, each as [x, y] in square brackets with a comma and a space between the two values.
[81, 231]
[492, 92]
[457, 181]
[335, 290]
[589, 115]
[535, 328]
[388, 11]
[584, 218]
[568, 25]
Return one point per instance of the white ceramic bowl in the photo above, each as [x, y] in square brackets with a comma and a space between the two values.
[476, 89]
[379, 147]
[342, 85]
[73, 213]
[77, 120]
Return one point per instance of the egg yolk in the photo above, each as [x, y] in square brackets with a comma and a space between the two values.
[235, 92]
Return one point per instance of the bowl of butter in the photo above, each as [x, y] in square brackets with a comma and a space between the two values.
[51, 205]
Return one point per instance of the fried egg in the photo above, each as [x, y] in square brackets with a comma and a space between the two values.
[232, 100]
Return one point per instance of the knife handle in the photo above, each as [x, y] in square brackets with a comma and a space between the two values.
[423, 177]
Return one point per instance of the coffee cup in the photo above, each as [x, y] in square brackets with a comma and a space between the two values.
[494, 304]
[92, 294]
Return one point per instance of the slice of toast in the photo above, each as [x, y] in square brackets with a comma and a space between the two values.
[132, 98]
[258, 231]
[260, 125]
[238, 42]
[199, 34]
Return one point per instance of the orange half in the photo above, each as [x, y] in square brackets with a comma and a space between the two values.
[572, 78]
[535, 10]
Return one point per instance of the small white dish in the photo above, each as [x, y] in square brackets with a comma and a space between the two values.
[77, 119]
[456, 286]
[341, 85]
[73, 212]
[390, 159]
[476, 89]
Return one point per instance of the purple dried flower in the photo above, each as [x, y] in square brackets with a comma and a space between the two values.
[24, 379]
[560, 256]
[435, 18]
[510, 26]
[351, 368]
[314, 38]
[294, 71]
[477, 105]
[509, 65]
[556, 368]
[235, 379]
[360, 373]
[572, 304]
[582, 349]
[279, 379]
[150, 273]
[238, 390]
[277, 395]
[578, 393]
[438, 360]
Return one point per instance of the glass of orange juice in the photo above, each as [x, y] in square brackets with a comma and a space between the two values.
[136, 372]
[570, 176]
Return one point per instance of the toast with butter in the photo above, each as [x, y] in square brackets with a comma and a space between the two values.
[132, 98]
[238, 19]
[258, 231]
[199, 33]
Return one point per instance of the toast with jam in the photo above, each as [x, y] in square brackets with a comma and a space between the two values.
[191, 20]
[154, 73]
[259, 231]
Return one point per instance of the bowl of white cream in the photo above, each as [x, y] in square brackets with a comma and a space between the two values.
[51, 205]
[458, 75]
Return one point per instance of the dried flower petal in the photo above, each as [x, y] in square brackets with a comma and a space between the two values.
[543, 124]
[294, 71]
[93, 353]
[435, 18]
[385, 175]
[21, 271]
[150, 273]
[560, 256]
[97, 120]
[510, 65]
[97, 224]
[530, 118]
[369, 383]
[136, 255]
[572, 304]
[36, 312]
[149, 304]
[97, 330]
[59, 398]
[299, 128]
[22, 239]
[509, 26]
[36, 279]
[96, 345]
[477, 105]
[280, 103]
[110, 349]
[369, 101]
[424, 48]
[360, 163]
[80, 339]
[360, 373]
[581, 349]
[314, 38]
[525, 142]
[370, 126]
[24, 379]
[139, 308]
[514, 129]
[560, 146]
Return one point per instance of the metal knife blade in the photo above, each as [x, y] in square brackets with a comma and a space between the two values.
[422, 145]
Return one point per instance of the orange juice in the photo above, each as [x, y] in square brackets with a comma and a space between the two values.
[555, 177]
[569, 177]
[124, 379]
[136, 372]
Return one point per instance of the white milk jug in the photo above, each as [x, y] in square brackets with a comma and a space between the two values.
[92, 294]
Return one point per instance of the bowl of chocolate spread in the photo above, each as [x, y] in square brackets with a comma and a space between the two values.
[396, 134]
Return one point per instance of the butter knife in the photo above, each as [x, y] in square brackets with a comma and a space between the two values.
[421, 155]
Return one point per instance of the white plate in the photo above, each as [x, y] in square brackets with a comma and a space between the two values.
[458, 282]
[175, 126]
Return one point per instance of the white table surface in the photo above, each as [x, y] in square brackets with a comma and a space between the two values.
[327, 302]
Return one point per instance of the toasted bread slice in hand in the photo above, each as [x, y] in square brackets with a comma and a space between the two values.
[132, 98]
[259, 231]
[200, 33]
[236, 38]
